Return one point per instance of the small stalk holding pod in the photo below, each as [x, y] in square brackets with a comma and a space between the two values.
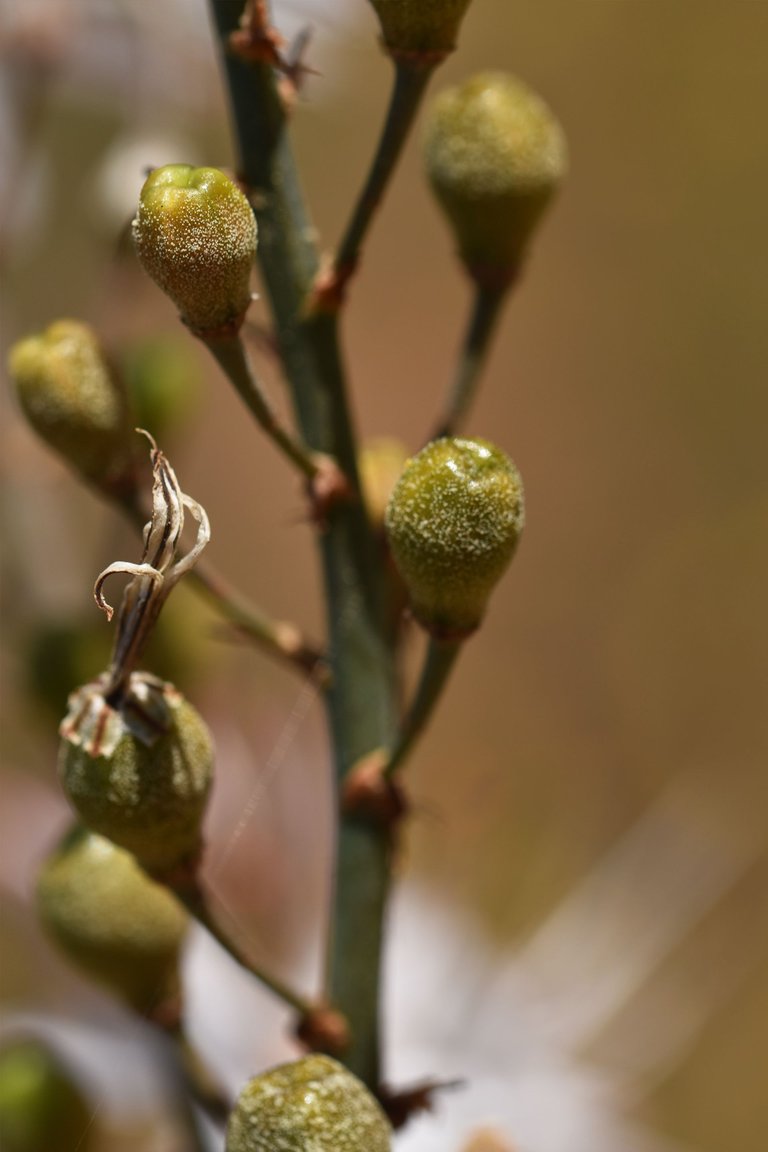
[495, 156]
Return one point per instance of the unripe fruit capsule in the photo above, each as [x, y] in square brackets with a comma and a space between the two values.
[138, 772]
[111, 920]
[453, 523]
[313, 1103]
[420, 27]
[495, 155]
[73, 400]
[41, 1107]
[195, 235]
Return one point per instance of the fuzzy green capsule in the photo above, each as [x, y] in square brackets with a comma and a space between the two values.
[41, 1107]
[139, 770]
[420, 27]
[311, 1105]
[195, 235]
[453, 523]
[111, 920]
[495, 155]
[73, 400]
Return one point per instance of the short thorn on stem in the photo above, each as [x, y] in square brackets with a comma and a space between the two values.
[370, 794]
[328, 487]
[404, 1103]
[323, 1029]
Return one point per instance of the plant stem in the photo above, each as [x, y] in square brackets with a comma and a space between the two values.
[486, 309]
[195, 901]
[440, 659]
[410, 82]
[230, 354]
[361, 699]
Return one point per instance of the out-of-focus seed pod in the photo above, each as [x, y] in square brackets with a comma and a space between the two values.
[164, 382]
[311, 1105]
[113, 922]
[453, 523]
[380, 462]
[195, 235]
[138, 770]
[495, 155]
[420, 27]
[41, 1107]
[74, 401]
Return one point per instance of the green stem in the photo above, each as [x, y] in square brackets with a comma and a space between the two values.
[485, 312]
[410, 83]
[231, 356]
[440, 659]
[361, 698]
[196, 903]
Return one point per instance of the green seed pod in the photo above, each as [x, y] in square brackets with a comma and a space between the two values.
[139, 771]
[41, 1108]
[73, 400]
[453, 522]
[495, 155]
[111, 920]
[311, 1105]
[195, 235]
[420, 27]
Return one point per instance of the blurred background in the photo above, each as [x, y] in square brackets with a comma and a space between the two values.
[592, 800]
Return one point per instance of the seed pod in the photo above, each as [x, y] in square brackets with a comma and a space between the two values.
[453, 523]
[420, 27]
[139, 770]
[73, 400]
[111, 920]
[495, 155]
[41, 1107]
[313, 1103]
[380, 463]
[195, 235]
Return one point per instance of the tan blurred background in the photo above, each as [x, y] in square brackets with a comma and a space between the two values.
[618, 688]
